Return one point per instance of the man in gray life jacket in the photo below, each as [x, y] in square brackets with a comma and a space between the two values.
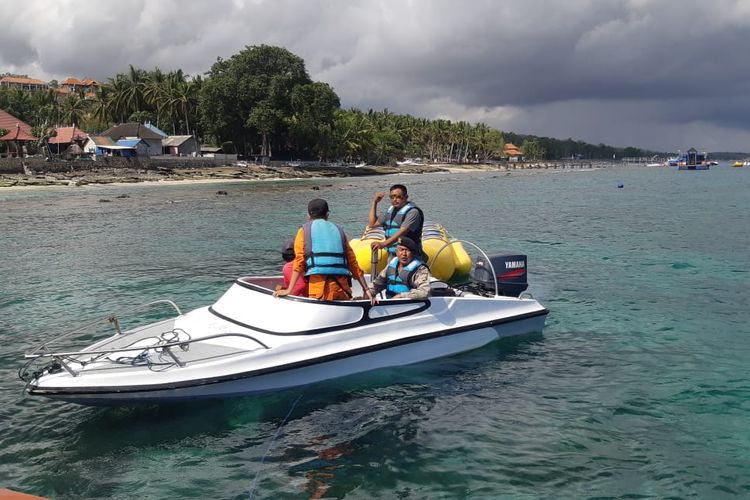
[405, 276]
[402, 218]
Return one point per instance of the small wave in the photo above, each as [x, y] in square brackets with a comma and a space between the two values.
[682, 265]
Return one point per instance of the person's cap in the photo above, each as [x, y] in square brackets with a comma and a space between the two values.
[288, 246]
[407, 242]
[317, 207]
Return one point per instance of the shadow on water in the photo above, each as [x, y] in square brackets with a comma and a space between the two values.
[351, 425]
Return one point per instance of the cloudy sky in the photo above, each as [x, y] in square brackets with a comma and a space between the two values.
[659, 74]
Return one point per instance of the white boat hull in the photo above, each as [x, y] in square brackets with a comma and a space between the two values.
[248, 358]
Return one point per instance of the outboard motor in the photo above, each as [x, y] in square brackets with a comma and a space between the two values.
[511, 273]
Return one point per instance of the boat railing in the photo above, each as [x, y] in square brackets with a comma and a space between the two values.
[110, 318]
[486, 258]
[65, 358]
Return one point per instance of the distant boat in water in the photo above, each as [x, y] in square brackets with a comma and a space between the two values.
[741, 163]
[693, 160]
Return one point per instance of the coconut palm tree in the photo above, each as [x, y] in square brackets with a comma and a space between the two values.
[74, 109]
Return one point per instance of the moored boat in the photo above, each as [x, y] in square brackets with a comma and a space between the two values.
[693, 160]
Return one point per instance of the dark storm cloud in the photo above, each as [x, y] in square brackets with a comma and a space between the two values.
[16, 48]
[652, 73]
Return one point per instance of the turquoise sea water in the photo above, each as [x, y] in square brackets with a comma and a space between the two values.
[639, 386]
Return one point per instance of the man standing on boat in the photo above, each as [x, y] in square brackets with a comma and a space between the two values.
[402, 218]
[322, 254]
[405, 276]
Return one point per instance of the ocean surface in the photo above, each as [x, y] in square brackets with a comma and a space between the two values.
[638, 387]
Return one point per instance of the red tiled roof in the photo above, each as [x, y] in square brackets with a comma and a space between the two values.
[86, 82]
[9, 122]
[18, 134]
[22, 80]
[65, 135]
[511, 149]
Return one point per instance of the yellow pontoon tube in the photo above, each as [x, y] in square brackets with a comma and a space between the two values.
[447, 258]
[363, 250]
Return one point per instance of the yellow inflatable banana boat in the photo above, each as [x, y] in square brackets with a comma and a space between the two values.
[447, 258]
[363, 251]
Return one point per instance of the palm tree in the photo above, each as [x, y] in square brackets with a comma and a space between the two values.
[74, 109]
[153, 91]
[101, 105]
[135, 83]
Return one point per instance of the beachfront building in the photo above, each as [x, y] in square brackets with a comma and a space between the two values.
[102, 145]
[73, 85]
[130, 131]
[22, 83]
[154, 128]
[94, 145]
[180, 145]
[216, 152]
[512, 152]
[9, 123]
[133, 147]
[211, 151]
[65, 137]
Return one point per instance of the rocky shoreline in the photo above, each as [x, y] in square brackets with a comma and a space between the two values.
[108, 175]
[254, 172]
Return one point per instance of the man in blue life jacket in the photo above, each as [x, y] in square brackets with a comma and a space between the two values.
[405, 276]
[402, 218]
[322, 255]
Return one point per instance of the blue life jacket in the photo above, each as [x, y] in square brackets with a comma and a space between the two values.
[394, 219]
[325, 248]
[399, 282]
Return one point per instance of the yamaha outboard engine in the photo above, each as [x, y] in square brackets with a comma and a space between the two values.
[511, 273]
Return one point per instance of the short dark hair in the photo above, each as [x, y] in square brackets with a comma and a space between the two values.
[317, 208]
[401, 187]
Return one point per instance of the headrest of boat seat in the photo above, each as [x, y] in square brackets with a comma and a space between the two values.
[407, 242]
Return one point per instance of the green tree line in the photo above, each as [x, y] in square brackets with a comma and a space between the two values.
[262, 102]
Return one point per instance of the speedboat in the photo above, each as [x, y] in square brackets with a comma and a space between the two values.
[251, 342]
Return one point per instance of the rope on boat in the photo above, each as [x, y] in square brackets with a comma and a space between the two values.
[268, 448]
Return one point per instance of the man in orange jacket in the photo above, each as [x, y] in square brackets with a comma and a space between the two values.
[322, 254]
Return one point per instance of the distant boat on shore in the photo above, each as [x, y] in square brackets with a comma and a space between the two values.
[410, 161]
